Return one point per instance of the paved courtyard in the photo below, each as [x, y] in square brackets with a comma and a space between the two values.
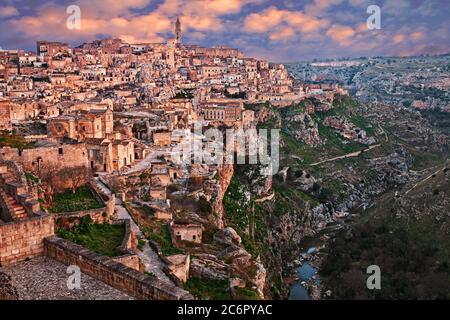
[43, 278]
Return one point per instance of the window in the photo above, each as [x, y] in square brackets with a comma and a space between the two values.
[60, 151]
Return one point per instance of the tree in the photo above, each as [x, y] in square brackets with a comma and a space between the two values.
[47, 173]
[75, 176]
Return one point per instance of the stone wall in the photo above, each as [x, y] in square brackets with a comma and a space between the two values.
[20, 240]
[53, 157]
[68, 220]
[113, 273]
[13, 185]
[5, 116]
[130, 260]
[129, 242]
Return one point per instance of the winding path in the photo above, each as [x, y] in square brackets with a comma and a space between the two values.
[425, 179]
[349, 155]
[149, 258]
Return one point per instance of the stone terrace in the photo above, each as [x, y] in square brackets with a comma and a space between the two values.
[48, 280]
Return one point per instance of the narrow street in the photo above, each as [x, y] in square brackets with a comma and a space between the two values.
[146, 162]
[148, 257]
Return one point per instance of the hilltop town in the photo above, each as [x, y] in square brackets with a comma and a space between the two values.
[91, 178]
[87, 174]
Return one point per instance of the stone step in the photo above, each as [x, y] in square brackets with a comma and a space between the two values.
[17, 210]
[20, 214]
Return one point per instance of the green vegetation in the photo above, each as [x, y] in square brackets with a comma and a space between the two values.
[208, 289]
[204, 289]
[246, 294]
[14, 141]
[334, 140]
[81, 200]
[236, 205]
[239, 95]
[257, 106]
[31, 178]
[291, 146]
[292, 199]
[363, 123]
[160, 234]
[412, 262]
[140, 244]
[245, 216]
[103, 238]
[184, 94]
[408, 240]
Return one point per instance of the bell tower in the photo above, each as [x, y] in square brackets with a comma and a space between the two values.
[178, 34]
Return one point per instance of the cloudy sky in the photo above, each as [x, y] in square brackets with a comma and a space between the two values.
[279, 30]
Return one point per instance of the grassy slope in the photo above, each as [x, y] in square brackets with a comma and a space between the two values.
[103, 239]
[68, 201]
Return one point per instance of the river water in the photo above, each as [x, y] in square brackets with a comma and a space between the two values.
[305, 272]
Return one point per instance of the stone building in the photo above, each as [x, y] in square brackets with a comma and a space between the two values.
[48, 154]
[227, 111]
[5, 116]
[162, 138]
[178, 265]
[95, 124]
[50, 49]
[186, 231]
[122, 153]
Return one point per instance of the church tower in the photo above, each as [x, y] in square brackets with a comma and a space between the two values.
[178, 35]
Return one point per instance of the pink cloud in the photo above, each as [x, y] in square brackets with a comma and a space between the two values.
[341, 34]
[282, 23]
[8, 11]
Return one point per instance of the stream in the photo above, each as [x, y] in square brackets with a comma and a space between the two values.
[305, 273]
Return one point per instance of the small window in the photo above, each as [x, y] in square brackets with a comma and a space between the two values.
[60, 151]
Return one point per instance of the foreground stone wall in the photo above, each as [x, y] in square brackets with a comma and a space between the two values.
[23, 239]
[113, 273]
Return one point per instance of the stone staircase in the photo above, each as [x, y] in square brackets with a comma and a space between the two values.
[14, 198]
[16, 210]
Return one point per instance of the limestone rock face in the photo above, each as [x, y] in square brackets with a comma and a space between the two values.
[238, 256]
[207, 266]
[260, 278]
[227, 236]
[304, 180]
[232, 235]
[225, 175]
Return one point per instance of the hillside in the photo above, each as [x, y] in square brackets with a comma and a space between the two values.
[407, 235]
[324, 177]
